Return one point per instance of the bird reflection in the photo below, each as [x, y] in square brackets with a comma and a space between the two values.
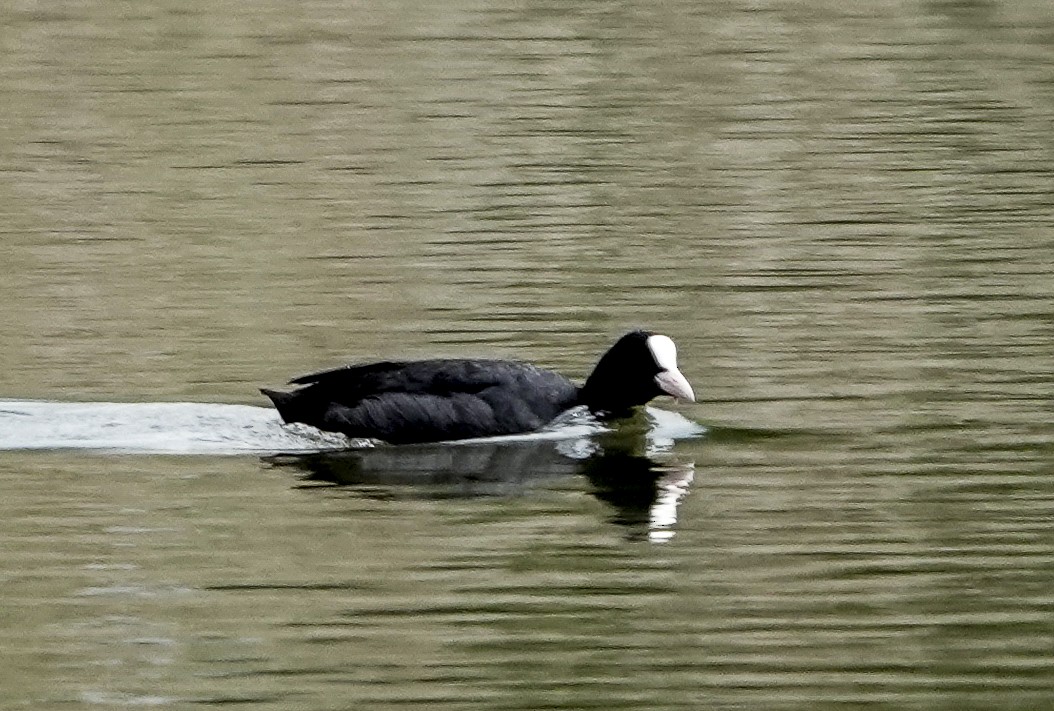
[643, 492]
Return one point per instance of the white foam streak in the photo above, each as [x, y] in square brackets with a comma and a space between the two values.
[219, 429]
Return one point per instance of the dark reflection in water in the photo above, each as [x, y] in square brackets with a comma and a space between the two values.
[437, 471]
[644, 493]
[642, 490]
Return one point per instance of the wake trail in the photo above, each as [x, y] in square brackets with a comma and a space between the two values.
[222, 429]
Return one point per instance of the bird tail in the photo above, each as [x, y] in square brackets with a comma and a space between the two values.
[289, 405]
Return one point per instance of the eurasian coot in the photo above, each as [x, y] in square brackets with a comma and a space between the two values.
[446, 399]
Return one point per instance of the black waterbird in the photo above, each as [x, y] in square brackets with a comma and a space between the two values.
[448, 399]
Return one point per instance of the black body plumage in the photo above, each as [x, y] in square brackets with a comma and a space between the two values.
[447, 399]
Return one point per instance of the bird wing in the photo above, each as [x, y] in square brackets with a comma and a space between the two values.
[348, 373]
[432, 400]
[399, 418]
[436, 376]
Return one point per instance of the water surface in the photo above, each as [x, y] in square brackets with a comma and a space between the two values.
[841, 213]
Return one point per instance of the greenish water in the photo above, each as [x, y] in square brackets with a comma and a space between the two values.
[843, 214]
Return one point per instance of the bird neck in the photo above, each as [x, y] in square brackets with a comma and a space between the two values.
[606, 397]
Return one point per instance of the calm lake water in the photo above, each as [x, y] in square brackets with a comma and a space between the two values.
[842, 212]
